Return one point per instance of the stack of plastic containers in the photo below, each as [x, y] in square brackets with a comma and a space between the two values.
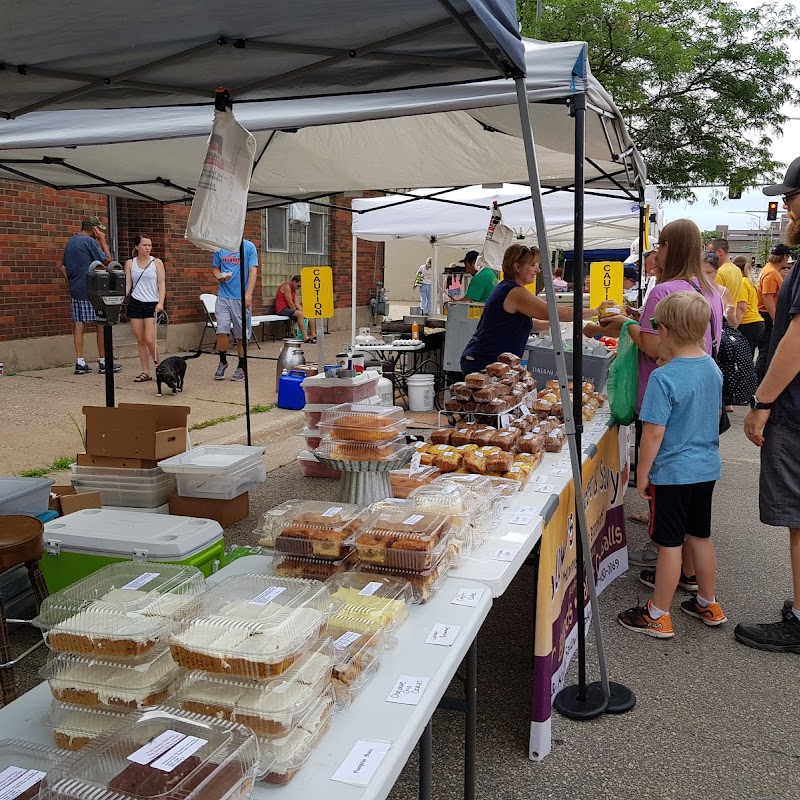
[24, 766]
[24, 495]
[259, 655]
[323, 393]
[122, 487]
[109, 641]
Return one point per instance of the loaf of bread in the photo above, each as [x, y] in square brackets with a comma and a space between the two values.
[483, 436]
[497, 406]
[490, 392]
[356, 451]
[530, 443]
[461, 435]
[506, 439]
[475, 462]
[442, 436]
[469, 407]
[461, 391]
[542, 408]
[452, 405]
[448, 462]
[512, 359]
[554, 440]
[601, 398]
[499, 462]
[476, 380]
[498, 369]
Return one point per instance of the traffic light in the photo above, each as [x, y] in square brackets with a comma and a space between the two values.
[772, 211]
[752, 261]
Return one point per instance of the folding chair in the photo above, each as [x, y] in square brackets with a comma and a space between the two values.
[209, 302]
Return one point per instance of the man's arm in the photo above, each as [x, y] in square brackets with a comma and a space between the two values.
[252, 279]
[102, 242]
[770, 304]
[63, 271]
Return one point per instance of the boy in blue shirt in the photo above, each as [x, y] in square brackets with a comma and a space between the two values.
[679, 463]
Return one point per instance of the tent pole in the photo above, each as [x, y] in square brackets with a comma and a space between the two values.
[642, 222]
[353, 294]
[245, 332]
[434, 309]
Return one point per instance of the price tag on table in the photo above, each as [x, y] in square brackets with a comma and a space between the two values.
[563, 462]
[539, 479]
[361, 762]
[559, 472]
[505, 554]
[443, 634]
[408, 690]
[468, 597]
[544, 487]
[532, 510]
[521, 519]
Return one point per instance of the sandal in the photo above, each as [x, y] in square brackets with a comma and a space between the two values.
[143, 378]
[312, 340]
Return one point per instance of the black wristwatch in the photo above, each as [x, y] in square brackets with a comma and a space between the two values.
[757, 404]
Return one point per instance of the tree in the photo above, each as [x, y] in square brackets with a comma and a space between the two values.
[709, 236]
[700, 83]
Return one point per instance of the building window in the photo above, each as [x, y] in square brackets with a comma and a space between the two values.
[315, 234]
[277, 224]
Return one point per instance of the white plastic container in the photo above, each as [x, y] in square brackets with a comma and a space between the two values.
[157, 510]
[420, 392]
[24, 495]
[135, 493]
[213, 459]
[223, 486]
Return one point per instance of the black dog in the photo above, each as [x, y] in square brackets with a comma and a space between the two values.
[172, 371]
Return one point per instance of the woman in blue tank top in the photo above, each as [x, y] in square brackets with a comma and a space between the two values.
[508, 315]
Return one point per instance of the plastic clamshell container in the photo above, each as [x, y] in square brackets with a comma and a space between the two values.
[272, 522]
[319, 530]
[314, 411]
[287, 754]
[358, 655]
[123, 610]
[319, 389]
[312, 569]
[313, 469]
[213, 459]
[268, 708]
[23, 766]
[403, 539]
[74, 726]
[162, 753]
[357, 422]
[254, 626]
[223, 486]
[110, 683]
[24, 495]
[369, 602]
[424, 583]
[404, 481]
[362, 451]
[446, 497]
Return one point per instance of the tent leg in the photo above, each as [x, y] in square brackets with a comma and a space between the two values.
[353, 299]
[434, 309]
[245, 330]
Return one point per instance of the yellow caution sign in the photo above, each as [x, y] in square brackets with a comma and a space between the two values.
[605, 282]
[316, 284]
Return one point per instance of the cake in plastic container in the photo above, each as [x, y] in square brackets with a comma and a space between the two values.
[312, 569]
[75, 726]
[423, 583]
[272, 521]
[377, 601]
[356, 422]
[287, 754]
[268, 708]
[358, 654]
[123, 610]
[23, 767]
[346, 450]
[112, 683]
[404, 481]
[165, 754]
[254, 626]
[319, 529]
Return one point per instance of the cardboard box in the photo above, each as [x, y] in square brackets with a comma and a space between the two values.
[68, 500]
[133, 430]
[226, 512]
[85, 460]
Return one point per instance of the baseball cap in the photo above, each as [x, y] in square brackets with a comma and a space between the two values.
[791, 181]
[631, 273]
[472, 255]
[781, 250]
[633, 258]
[93, 222]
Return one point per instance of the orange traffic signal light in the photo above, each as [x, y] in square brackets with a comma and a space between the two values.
[772, 211]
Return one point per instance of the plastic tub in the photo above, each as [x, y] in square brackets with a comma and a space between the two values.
[213, 459]
[356, 422]
[171, 755]
[369, 602]
[73, 726]
[109, 683]
[424, 583]
[24, 495]
[254, 626]
[224, 486]
[157, 510]
[268, 708]
[404, 481]
[23, 766]
[102, 473]
[116, 492]
[319, 530]
[362, 451]
[313, 469]
[312, 569]
[319, 389]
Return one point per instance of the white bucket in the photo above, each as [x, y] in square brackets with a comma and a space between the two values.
[420, 393]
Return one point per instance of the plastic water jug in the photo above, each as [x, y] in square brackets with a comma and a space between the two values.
[290, 392]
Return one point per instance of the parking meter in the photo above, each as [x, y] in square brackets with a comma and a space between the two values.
[106, 289]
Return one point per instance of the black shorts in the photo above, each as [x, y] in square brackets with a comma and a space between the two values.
[779, 484]
[680, 510]
[139, 310]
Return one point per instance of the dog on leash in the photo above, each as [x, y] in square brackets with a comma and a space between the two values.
[172, 371]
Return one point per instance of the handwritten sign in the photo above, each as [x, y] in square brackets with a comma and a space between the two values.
[468, 597]
[361, 762]
[408, 690]
[505, 554]
[443, 634]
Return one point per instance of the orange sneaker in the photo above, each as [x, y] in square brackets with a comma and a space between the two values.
[638, 619]
[712, 614]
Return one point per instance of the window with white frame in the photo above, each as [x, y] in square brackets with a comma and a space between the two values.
[276, 221]
[315, 233]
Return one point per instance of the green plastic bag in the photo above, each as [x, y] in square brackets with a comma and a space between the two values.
[623, 379]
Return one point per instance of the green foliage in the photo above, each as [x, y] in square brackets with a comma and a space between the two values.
[709, 236]
[59, 465]
[209, 423]
[262, 409]
[700, 83]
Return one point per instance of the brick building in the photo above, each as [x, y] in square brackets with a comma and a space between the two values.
[35, 222]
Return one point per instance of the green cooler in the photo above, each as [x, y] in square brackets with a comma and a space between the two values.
[81, 543]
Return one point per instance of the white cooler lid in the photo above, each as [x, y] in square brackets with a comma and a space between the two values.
[120, 533]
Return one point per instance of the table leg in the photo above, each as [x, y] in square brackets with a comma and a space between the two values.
[471, 725]
[426, 762]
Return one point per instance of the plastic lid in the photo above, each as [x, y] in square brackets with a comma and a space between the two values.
[356, 380]
[362, 415]
[268, 708]
[368, 602]
[23, 766]
[362, 451]
[75, 724]
[213, 458]
[161, 753]
[319, 529]
[447, 497]
[92, 681]
[273, 521]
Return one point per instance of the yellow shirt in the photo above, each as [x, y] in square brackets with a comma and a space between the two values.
[730, 276]
[750, 295]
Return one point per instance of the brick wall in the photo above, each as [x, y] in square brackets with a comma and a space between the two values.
[35, 222]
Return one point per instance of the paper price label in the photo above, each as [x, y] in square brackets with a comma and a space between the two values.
[468, 597]
[412, 520]
[559, 472]
[521, 519]
[16, 780]
[532, 510]
[408, 690]
[361, 762]
[449, 489]
[267, 596]
[539, 479]
[563, 462]
[370, 588]
[443, 634]
[544, 487]
[332, 511]
[505, 554]
[362, 408]
[142, 580]
[505, 420]
[179, 753]
[345, 640]
[416, 461]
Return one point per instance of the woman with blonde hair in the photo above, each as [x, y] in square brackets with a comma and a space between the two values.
[751, 325]
[507, 319]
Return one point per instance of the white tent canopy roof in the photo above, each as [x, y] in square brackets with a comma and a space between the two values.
[118, 54]
[610, 222]
[426, 137]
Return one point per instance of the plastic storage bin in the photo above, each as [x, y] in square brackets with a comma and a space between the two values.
[24, 495]
[224, 486]
[319, 389]
[319, 530]
[254, 626]
[542, 363]
[213, 459]
[73, 726]
[23, 766]
[92, 681]
[357, 422]
[83, 542]
[172, 755]
[135, 493]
